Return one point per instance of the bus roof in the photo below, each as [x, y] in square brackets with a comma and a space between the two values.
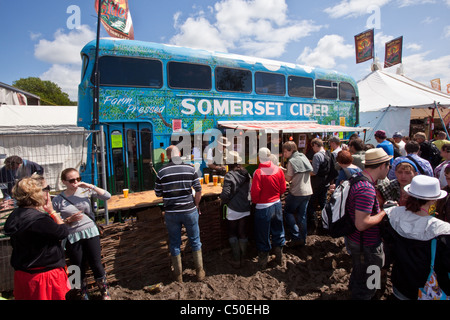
[136, 48]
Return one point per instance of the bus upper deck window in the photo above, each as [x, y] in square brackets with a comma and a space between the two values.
[130, 72]
[270, 83]
[300, 87]
[189, 76]
[326, 89]
[346, 92]
[233, 80]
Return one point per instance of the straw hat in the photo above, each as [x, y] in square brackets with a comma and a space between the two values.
[425, 187]
[233, 157]
[376, 155]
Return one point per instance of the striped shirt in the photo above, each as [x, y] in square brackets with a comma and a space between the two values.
[362, 197]
[174, 182]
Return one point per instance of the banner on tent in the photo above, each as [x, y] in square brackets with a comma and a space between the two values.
[436, 84]
[364, 46]
[393, 53]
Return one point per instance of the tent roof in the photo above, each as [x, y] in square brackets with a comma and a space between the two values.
[31, 118]
[381, 89]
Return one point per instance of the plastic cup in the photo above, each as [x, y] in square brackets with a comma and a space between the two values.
[206, 177]
[125, 193]
[215, 180]
[201, 180]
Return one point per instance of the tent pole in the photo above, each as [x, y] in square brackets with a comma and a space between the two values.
[442, 120]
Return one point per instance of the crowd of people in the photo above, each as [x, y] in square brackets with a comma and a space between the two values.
[399, 205]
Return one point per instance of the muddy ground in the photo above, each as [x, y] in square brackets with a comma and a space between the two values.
[318, 271]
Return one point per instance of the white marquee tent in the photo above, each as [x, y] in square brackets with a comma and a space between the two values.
[389, 101]
[47, 135]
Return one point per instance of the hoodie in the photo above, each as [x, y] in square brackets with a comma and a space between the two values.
[36, 240]
[268, 183]
[236, 186]
[408, 245]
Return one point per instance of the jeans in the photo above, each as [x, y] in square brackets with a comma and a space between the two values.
[372, 256]
[174, 223]
[269, 221]
[295, 214]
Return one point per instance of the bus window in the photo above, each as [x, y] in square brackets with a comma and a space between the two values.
[270, 83]
[346, 92]
[233, 80]
[130, 72]
[84, 66]
[189, 76]
[326, 89]
[300, 87]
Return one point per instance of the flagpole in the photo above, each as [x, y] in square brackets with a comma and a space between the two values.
[95, 114]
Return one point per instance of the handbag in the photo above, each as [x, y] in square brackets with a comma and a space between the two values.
[431, 289]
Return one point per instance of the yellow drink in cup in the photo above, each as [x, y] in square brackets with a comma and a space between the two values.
[206, 178]
[201, 180]
[215, 180]
[125, 193]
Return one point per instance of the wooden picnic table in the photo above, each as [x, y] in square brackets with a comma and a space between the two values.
[149, 199]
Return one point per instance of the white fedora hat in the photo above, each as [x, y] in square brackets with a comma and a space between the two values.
[224, 141]
[425, 187]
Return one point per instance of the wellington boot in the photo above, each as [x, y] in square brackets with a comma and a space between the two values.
[235, 252]
[103, 286]
[177, 268]
[243, 245]
[198, 262]
[263, 259]
[278, 255]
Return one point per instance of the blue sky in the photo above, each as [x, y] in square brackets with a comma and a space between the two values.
[38, 41]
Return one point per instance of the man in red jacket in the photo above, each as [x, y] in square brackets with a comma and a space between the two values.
[267, 187]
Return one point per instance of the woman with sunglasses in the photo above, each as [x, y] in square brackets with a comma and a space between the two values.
[83, 241]
[36, 231]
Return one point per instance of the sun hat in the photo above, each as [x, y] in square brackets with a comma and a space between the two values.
[397, 135]
[233, 157]
[425, 187]
[264, 154]
[380, 134]
[224, 141]
[375, 156]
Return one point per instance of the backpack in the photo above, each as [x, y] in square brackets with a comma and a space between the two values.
[430, 152]
[335, 218]
[332, 172]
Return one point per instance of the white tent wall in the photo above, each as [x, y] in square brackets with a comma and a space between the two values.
[47, 135]
[390, 120]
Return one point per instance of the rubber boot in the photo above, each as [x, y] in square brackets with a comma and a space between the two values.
[177, 268]
[103, 286]
[263, 259]
[84, 290]
[278, 255]
[243, 244]
[235, 252]
[198, 262]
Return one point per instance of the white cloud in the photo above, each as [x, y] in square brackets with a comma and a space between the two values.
[422, 69]
[66, 77]
[447, 31]
[413, 46]
[353, 8]
[66, 47]
[63, 52]
[407, 3]
[257, 27]
[328, 49]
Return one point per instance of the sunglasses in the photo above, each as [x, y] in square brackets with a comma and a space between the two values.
[74, 180]
[47, 188]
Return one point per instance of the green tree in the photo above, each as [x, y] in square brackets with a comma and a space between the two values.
[49, 92]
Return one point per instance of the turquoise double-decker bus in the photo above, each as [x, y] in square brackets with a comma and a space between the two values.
[149, 91]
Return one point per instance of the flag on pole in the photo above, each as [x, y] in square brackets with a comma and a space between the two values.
[448, 88]
[364, 46]
[393, 53]
[116, 18]
[436, 84]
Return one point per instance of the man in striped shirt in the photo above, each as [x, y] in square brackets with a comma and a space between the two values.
[365, 244]
[174, 182]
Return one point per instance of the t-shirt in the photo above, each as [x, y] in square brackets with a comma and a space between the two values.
[362, 197]
[300, 183]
